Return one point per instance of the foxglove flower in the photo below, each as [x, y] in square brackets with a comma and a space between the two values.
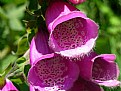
[39, 46]
[83, 85]
[100, 69]
[8, 86]
[77, 1]
[53, 74]
[49, 71]
[72, 33]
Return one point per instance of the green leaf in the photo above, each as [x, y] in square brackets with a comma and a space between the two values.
[26, 69]
[13, 1]
[15, 12]
[6, 62]
[15, 24]
[112, 88]
[23, 45]
[16, 80]
[2, 13]
[24, 87]
[21, 60]
[115, 21]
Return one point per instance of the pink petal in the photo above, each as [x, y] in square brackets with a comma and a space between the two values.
[53, 72]
[72, 34]
[105, 71]
[39, 45]
[77, 1]
[32, 88]
[85, 66]
[9, 86]
[83, 85]
[100, 69]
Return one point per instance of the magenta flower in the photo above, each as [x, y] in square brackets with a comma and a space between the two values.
[53, 73]
[72, 33]
[83, 85]
[77, 1]
[100, 69]
[8, 86]
[39, 46]
[49, 71]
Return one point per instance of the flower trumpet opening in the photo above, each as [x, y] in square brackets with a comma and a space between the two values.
[73, 37]
[105, 71]
[55, 73]
[72, 34]
[68, 34]
[100, 69]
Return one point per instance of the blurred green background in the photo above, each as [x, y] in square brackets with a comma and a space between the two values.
[14, 35]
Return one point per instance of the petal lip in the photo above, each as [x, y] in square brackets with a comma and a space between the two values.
[107, 57]
[65, 17]
[109, 83]
[44, 57]
[64, 13]
[84, 49]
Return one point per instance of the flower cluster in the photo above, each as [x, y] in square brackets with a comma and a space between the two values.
[71, 36]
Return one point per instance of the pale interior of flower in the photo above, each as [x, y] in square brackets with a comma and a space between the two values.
[70, 34]
[52, 72]
[103, 70]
